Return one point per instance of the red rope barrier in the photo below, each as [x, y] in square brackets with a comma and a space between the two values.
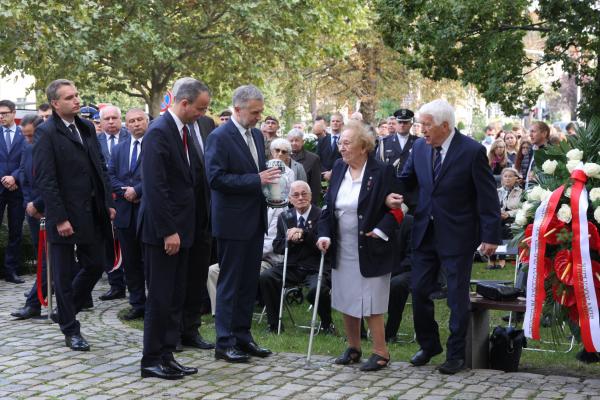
[40, 259]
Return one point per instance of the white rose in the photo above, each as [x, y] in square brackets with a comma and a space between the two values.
[521, 218]
[526, 206]
[535, 194]
[545, 195]
[575, 154]
[572, 164]
[597, 215]
[592, 170]
[568, 192]
[549, 166]
[595, 194]
[564, 214]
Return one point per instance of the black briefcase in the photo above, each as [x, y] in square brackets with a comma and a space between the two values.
[497, 291]
[506, 346]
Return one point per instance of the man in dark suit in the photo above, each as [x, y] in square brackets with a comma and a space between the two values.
[458, 210]
[70, 174]
[34, 208]
[310, 161]
[235, 166]
[327, 148]
[166, 217]
[200, 253]
[298, 227]
[112, 134]
[125, 172]
[11, 195]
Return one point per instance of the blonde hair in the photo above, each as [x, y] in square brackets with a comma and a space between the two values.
[361, 133]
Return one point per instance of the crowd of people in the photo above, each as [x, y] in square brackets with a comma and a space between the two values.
[406, 206]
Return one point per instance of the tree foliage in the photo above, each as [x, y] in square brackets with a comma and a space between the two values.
[139, 47]
[481, 43]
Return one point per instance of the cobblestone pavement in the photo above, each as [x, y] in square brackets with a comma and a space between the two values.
[35, 364]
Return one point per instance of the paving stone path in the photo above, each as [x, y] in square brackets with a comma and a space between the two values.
[35, 364]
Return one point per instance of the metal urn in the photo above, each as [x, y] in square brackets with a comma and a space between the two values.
[277, 193]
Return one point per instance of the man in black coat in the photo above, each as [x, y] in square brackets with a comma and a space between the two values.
[297, 226]
[310, 161]
[327, 147]
[70, 173]
[166, 223]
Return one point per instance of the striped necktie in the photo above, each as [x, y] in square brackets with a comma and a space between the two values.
[437, 162]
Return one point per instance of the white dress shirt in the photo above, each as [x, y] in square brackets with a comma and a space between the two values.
[131, 144]
[67, 123]
[446, 146]
[402, 139]
[13, 130]
[180, 126]
[305, 216]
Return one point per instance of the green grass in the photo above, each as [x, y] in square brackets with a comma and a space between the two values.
[295, 340]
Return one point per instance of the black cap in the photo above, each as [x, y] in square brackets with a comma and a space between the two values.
[88, 111]
[404, 114]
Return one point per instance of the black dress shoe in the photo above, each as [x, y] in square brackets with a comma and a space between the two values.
[89, 304]
[451, 367]
[54, 316]
[178, 347]
[231, 355]
[161, 371]
[329, 330]
[77, 343]
[254, 350]
[26, 313]
[439, 294]
[113, 294]
[375, 363]
[197, 342]
[133, 314]
[14, 278]
[272, 328]
[180, 368]
[422, 357]
[349, 356]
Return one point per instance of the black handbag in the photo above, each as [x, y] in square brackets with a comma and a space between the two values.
[506, 346]
[497, 291]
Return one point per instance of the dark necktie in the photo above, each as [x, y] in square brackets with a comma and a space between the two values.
[112, 143]
[196, 141]
[437, 162]
[134, 155]
[75, 133]
[301, 224]
[334, 142]
[184, 137]
[7, 138]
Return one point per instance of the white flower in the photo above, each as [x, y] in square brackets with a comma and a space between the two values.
[568, 192]
[572, 164]
[526, 206]
[549, 166]
[521, 218]
[564, 214]
[545, 195]
[535, 194]
[592, 170]
[595, 194]
[597, 214]
[575, 154]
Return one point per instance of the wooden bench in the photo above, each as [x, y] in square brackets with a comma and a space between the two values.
[478, 349]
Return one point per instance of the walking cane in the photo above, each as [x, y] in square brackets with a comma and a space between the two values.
[315, 308]
[285, 258]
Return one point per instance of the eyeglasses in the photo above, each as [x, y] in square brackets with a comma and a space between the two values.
[301, 194]
[4, 114]
[345, 144]
[282, 151]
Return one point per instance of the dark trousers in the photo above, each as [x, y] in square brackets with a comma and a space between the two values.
[270, 290]
[73, 288]
[13, 203]
[196, 291]
[399, 291]
[239, 263]
[165, 276]
[133, 266]
[116, 279]
[32, 298]
[426, 264]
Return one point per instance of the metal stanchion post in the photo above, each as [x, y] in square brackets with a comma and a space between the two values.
[48, 272]
[315, 308]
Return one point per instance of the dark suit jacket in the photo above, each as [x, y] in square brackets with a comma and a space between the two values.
[10, 161]
[403, 246]
[123, 134]
[397, 157]
[463, 201]
[167, 205]
[201, 187]
[303, 254]
[72, 180]
[120, 176]
[375, 255]
[26, 179]
[312, 165]
[326, 153]
[238, 206]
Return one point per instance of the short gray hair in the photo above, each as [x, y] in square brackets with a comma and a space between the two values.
[52, 89]
[106, 108]
[295, 132]
[301, 183]
[243, 94]
[189, 89]
[441, 111]
[137, 110]
[279, 142]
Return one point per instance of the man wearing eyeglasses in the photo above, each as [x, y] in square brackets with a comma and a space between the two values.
[298, 228]
[11, 196]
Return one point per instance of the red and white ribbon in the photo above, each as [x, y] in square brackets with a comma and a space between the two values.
[536, 274]
[585, 293]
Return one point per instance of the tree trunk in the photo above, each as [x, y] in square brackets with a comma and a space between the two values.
[155, 100]
[370, 60]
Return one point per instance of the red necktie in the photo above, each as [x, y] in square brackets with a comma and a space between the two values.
[184, 138]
